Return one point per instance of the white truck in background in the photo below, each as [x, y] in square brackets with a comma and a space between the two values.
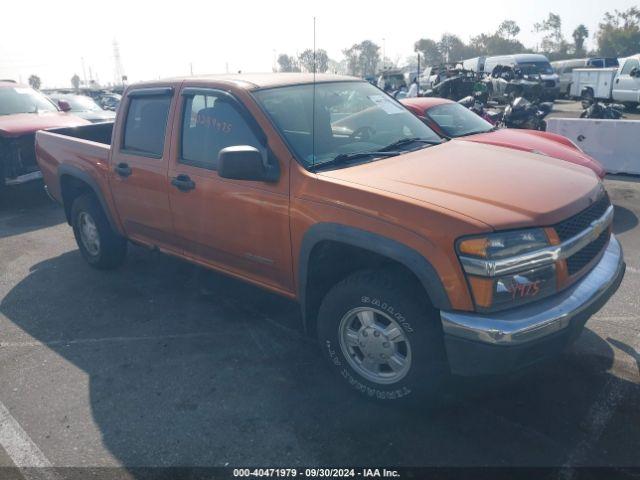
[621, 85]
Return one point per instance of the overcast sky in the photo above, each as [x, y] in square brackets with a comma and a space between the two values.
[158, 39]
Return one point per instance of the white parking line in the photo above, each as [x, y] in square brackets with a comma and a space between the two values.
[24, 453]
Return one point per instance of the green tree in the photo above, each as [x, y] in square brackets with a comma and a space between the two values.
[580, 34]
[508, 29]
[306, 60]
[502, 42]
[619, 33]
[429, 50]
[75, 81]
[287, 63]
[35, 82]
[362, 58]
[553, 42]
[452, 48]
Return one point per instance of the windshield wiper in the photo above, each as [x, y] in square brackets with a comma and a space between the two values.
[407, 141]
[346, 157]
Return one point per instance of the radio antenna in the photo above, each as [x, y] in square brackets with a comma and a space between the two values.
[313, 108]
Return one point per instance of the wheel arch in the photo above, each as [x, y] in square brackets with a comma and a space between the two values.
[357, 249]
[74, 182]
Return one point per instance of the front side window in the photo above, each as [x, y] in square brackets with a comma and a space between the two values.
[14, 100]
[457, 121]
[210, 123]
[145, 125]
[346, 117]
[628, 66]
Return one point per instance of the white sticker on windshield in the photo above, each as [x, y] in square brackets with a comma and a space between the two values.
[21, 90]
[386, 104]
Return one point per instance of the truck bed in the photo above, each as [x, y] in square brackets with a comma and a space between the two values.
[598, 80]
[85, 149]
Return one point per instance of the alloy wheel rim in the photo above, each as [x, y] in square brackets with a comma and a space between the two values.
[89, 233]
[375, 345]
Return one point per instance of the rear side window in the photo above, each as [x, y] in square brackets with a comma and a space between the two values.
[146, 124]
[210, 123]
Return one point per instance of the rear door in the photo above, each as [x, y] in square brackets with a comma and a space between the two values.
[626, 87]
[139, 166]
[238, 226]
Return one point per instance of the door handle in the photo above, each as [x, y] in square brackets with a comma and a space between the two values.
[183, 183]
[123, 170]
[617, 80]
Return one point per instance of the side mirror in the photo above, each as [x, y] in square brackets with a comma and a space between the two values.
[64, 105]
[635, 72]
[243, 162]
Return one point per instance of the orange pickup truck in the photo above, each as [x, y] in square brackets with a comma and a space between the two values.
[412, 257]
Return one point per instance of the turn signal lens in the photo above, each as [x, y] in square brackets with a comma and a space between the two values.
[482, 289]
[474, 246]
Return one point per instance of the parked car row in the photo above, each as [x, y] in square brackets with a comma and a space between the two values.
[23, 111]
[414, 255]
[83, 107]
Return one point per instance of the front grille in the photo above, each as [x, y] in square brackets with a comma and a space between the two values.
[576, 224]
[581, 258]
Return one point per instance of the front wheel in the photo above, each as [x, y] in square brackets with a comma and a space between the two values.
[382, 336]
[100, 245]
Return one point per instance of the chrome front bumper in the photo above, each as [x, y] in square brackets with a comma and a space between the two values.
[529, 325]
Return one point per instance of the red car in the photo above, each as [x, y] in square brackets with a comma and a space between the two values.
[452, 120]
[23, 111]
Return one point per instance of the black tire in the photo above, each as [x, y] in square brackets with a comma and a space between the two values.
[395, 296]
[112, 248]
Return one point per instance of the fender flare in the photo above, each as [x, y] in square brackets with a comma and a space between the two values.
[75, 172]
[392, 249]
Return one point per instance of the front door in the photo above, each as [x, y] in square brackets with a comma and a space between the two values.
[241, 227]
[627, 87]
[139, 166]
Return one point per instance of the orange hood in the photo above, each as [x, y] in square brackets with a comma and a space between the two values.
[500, 187]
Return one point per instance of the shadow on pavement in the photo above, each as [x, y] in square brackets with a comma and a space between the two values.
[189, 368]
[26, 207]
[623, 219]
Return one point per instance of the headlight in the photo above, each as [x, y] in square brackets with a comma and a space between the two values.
[507, 269]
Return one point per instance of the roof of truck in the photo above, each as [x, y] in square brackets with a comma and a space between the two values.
[252, 81]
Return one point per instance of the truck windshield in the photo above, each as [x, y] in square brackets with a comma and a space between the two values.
[15, 100]
[350, 117]
[529, 68]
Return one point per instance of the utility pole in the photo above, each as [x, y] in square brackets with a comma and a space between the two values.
[118, 71]
[84, 72]
[191, 68]
[384, 51]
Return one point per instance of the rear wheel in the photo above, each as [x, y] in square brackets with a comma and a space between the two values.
[100, 245]
[382, 337]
